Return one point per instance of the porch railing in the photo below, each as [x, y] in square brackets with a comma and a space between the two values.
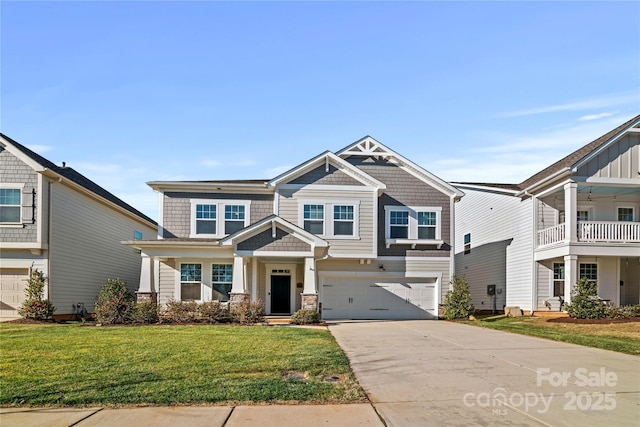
[593, 231]
[605, 231]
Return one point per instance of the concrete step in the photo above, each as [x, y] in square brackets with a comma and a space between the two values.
[278, 320]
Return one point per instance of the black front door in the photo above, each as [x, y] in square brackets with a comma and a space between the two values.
[280, 294]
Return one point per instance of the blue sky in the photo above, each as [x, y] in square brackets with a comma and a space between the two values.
[130, 92]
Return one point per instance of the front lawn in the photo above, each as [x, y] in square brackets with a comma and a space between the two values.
[69, 364]
[623, 337]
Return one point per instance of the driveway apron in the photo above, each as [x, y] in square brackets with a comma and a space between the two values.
[431, 373]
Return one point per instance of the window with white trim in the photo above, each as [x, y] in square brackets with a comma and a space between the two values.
[405, 224]
[558, 279]
[190, 282]
[625, 214]
[11, 205]
[582, 215]
[218, 218]
[589, 271]
[333, 219]
[221, 281]
[314, 218]
[467, 243]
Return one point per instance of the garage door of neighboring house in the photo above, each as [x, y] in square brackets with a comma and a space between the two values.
[13, 282]
[372, 298]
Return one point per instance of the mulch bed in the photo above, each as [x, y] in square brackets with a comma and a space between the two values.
[593, 321]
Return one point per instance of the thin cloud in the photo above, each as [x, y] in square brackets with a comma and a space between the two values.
[596, 116]
[40, 148]
[210, 163]
[594, 103]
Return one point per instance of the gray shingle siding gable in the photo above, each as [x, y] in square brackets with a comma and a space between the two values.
[14, 171]
[177, 209]
[265, 242]
[404, 189]
[320, 176]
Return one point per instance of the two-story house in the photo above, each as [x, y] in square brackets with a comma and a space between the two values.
[578, 218]
[362, 233]
[56, 220]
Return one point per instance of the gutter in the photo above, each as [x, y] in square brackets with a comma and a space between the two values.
[566, 171]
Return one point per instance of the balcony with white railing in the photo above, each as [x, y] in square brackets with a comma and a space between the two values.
[593, 232]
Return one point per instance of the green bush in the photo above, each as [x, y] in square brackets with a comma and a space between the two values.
[35, 306]
[213, 312]
[146, 312]
[585, 303]
[247, 313]
[181, 311]
[457, 302]
[115, 304]
[631, 310]
[305, 317]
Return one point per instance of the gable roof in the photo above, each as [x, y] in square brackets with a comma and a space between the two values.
[274, 221]
[572, 159]
[369, 147]
[34, 160]
[328, 158]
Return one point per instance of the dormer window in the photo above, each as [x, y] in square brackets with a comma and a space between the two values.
[206, 221]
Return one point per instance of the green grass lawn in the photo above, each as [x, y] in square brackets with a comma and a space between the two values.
[620, 337]
[68, 364]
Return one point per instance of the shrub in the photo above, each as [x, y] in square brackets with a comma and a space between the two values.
[585, 303]
[146, 312]
[247, 313]
[35, 306]
[305, 317]
[115, 304]
[631, 310]
[213, 312]
[181, 311]
[457, 302]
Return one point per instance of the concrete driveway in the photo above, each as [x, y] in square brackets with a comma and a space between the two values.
[420, 373]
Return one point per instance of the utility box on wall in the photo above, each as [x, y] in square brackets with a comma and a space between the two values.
[491, 290]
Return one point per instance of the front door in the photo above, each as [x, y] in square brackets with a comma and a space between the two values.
[281, 294]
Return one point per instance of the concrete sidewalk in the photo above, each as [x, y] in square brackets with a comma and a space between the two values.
[195, 416]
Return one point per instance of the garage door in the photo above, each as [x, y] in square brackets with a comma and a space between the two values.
[357, 298]
[13, 282]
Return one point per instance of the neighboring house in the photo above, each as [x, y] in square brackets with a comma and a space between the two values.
[57, 221]
[363, 234]
[579, 217]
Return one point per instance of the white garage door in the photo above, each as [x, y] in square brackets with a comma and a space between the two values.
[357, 298]
[13, 282]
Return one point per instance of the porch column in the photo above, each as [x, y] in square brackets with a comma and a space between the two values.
[571, 212]
[146, 289]
[310, 291]
[570, 276]
[238, 292]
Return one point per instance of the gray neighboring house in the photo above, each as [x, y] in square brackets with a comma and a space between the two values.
[363, 233]
[56, 220]
[579, 217]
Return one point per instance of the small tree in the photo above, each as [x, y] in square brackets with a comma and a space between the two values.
[585, 303]
[115, 304]
[457, 302]
[35, 306]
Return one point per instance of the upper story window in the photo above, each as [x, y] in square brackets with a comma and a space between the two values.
[330, 219]
[625, 214]
[467, 243]
[413, 225]
[205, 221]
[11, 205]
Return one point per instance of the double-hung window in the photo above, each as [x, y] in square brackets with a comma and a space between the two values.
[218, 218]
[589, 271]
[221, 281]
[558, 279]
[413, 225]
[190, 282]
[330, 219]
[625, 214]
[10, 205]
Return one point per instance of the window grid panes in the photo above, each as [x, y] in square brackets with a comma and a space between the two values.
[558, 279]
[467, 243]
[314, 218]
[190, 278]
[427, 225]
[234, 218]
[583, 215]
[206, 219]
[343, 219]
[399, 224]
[589, 271]
[10, 204]
[190, 272]
[625, 214]
[221, 278]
